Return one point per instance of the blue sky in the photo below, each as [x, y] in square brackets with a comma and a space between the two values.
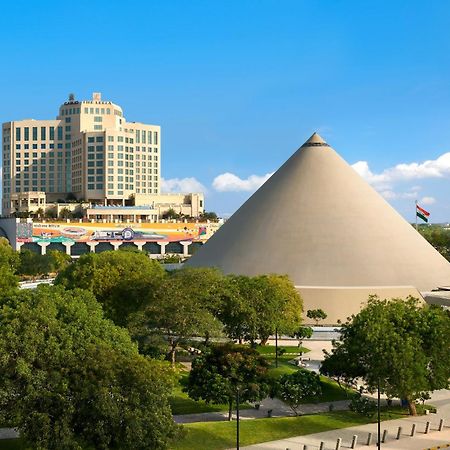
[237, 86]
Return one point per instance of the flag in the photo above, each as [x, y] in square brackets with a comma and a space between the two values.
[422, 213]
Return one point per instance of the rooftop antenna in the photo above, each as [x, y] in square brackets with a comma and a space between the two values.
[71, 97]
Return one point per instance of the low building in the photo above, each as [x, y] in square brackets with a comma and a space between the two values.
[77, 237]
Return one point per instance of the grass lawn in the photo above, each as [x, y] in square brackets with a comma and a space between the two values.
[222, 435]
[182, 404]
[270, 349]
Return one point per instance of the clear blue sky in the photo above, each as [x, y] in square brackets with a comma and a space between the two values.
[237, 86]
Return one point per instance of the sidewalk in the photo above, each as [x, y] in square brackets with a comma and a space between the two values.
[421, 441]
[279, 409]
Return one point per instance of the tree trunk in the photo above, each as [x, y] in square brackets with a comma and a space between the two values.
[412, 407]
[264, 341]
[172, 355]
[230, 408]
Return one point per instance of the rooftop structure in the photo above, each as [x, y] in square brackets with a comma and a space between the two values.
[90, 152]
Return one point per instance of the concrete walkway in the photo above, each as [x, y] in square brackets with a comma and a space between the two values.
[8, 433]
[440, 399]
[279, 409]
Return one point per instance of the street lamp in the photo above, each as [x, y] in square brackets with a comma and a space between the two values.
[237, 417]
[276, 347]
[379, 423]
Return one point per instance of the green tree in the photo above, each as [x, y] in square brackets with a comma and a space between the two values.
[8, 256]
[295, 387]
[438, 237]
[217, 375]
[399, 344]
[302, 333]
[176, 313]
[71, 379]
[65, 213]
[39, 213]
[8, 281]
[58, 260]
[34, 264]
[208, 216]
[316, 314]
[255, 307]
[363, 405]
[121, 281]
[171, 214]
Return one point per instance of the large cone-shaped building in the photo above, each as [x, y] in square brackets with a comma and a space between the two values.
[319, 222]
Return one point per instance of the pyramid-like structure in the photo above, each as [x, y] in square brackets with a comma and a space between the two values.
[318, 221]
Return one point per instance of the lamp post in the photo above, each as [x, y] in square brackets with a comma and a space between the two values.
[276, 346]
[379, 422]
[237, 417]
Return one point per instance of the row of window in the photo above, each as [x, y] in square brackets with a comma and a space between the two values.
[44, 132]
[43, 146]
[145, 137]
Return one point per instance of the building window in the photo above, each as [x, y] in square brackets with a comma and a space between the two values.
[156, 138]
[68, 119]
[91, 187]
[26, 133]
[86, 110]
[52, 133]
[60, 133]
[35, 134]
[17, 134]
[98, 119]
[149, 137]
[97, 127]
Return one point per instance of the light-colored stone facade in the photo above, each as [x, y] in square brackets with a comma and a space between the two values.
[90, 151]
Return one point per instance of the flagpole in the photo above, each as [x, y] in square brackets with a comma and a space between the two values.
[416, 216]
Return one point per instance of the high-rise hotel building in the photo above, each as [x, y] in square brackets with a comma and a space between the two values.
[89, 152]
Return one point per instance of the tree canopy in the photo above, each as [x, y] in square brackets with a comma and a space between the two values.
[316, 314]
[121, 281]
[255, 307]
[178, 310]
[71, 379]
[294, 388]
[217, 375]
[399, 344]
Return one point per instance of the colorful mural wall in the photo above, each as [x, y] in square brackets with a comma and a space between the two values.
[114, 232]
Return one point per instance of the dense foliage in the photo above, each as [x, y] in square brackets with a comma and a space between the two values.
[217, 375]
[438, 237]
[254, 308]
[121, 281]
[71, 379]
[295, 387]
[402, 345]
[178, 310]
[316, 314]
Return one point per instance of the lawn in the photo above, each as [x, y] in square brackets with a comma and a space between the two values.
[291, 349]
[222, 435]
